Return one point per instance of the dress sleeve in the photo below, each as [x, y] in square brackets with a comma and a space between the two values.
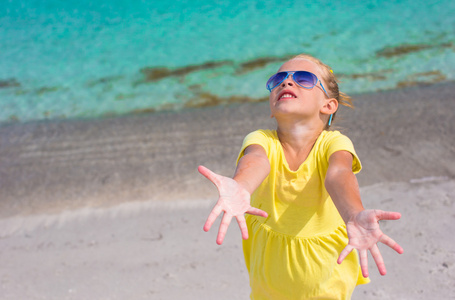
[258, 137]
[341, 142]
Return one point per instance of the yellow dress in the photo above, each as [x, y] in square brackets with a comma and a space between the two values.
[293, 253]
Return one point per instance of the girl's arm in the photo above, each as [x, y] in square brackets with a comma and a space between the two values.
[362, 225]
[235, 193]
[341, 183]
[253, 168]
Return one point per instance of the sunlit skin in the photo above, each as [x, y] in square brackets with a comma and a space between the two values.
[300, 120]
[309, 108]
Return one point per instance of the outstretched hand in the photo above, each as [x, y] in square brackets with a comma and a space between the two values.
[364, 234]
[234, 201]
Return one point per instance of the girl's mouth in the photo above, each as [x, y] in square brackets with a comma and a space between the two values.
[286, 94]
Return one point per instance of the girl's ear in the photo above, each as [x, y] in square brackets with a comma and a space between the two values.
[330, 106]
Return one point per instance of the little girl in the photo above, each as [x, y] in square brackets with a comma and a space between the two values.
[298, 186]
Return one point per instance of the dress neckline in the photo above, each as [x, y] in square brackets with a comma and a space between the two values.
[306, 159]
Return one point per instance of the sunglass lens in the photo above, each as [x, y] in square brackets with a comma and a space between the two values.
[276, 80]
[305, 79]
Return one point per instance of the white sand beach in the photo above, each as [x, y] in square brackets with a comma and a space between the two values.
[114, 209]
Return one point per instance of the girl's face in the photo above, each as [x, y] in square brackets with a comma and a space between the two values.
[290, 99]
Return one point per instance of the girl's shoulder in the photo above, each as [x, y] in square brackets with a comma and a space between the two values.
[328, 137]
[331, 134]
[268, 139]
[265, 132]
[265, 135]
[332, 141]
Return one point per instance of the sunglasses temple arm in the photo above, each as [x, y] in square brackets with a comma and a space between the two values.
[330, 120]
[324, 89]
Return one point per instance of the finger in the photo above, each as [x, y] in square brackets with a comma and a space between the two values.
[243, 228]
[344, 253]
[363, 255]
[391, 243]
[257, 212]
[387, 215]
[216, 211]
[223, 228]
[213, 177]
[378, 259]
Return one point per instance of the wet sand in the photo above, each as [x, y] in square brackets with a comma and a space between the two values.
[114, 208]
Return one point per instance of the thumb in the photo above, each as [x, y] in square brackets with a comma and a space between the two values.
[387, 215]
[213, 177]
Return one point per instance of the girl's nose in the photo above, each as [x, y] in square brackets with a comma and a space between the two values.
[288, 81]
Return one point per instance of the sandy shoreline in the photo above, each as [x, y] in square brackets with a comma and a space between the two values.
[113, 209]
[53, 166]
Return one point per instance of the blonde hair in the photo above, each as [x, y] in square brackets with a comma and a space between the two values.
[330, 83]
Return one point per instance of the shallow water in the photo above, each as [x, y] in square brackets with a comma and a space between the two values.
[84, 59]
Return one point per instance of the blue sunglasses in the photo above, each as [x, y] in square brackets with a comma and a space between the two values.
[305, 79]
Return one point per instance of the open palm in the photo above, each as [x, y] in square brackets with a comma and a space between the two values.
[364, 234]
[234, 201]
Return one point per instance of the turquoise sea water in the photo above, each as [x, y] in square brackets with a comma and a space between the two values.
[87, 59]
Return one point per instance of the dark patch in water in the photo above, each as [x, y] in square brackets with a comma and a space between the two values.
[45, 89]
[203, 99]
[409, 48]
[42, 90]
[103, 80]
[7, 83]
[195, 87]
[422, 79]
[373, 76]
[152, 74]
[325, 35]
[158, 73]
[206, 100]
[144, 111]
[260, 63]
[121, 96]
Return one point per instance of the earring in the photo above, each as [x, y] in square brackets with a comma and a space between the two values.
[330, 120]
